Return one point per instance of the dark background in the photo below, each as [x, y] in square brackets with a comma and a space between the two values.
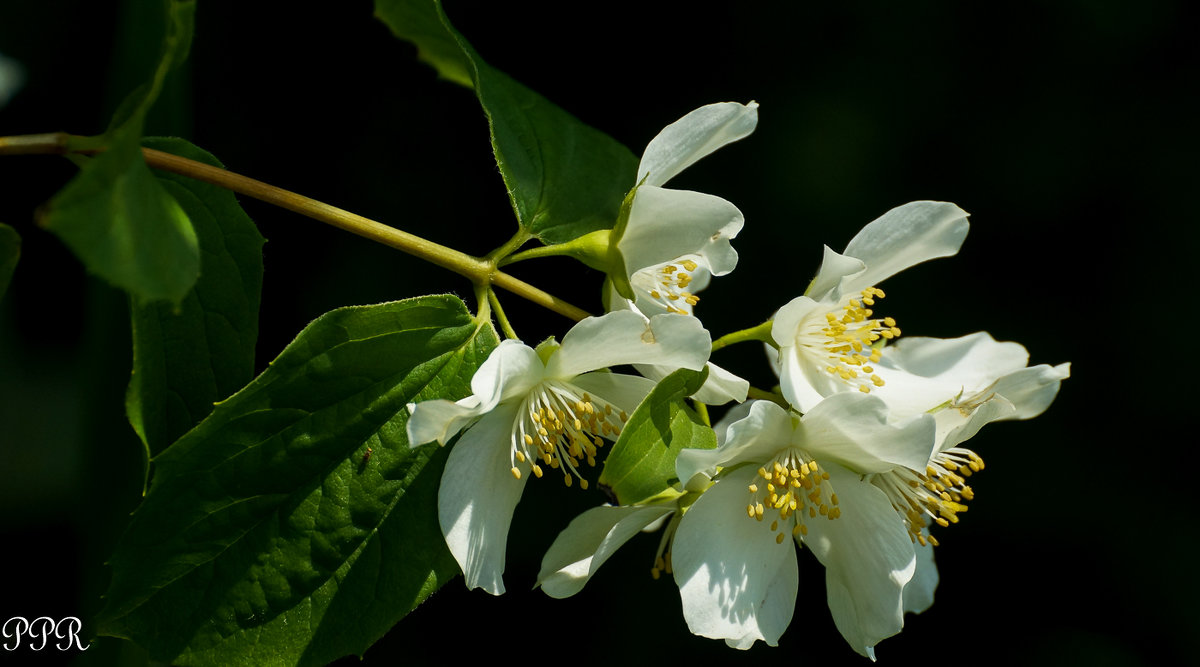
[1066, 128]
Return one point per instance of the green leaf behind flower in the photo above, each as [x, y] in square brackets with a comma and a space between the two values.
[188, 357]
[114, 215]
[564, 178]
[641, 463]
[295, 525]
[10, 252]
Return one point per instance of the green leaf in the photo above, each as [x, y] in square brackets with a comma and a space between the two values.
[10, 252]
[641, 463]
[295, 525]
[114, 215]
[565, 179]
[422, 24]
[188, 357]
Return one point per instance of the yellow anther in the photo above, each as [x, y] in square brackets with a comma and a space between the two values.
[689, 265]
[537, 471]
[516, 473]
[779, 538]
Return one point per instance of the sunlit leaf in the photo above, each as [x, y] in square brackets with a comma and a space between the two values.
[564, 178]
[642, 461]
[295, 525]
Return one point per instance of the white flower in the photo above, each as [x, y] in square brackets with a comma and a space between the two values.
[539, 410]
[829, 339]
[964, 383]
[784, 476]
[670, 242]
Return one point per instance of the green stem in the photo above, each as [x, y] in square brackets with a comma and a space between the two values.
[764, 395]
[484, 312]
[760, 333]
[510, 246]
[534, 253]
[702, 411]
[505, 326]
[481, 271]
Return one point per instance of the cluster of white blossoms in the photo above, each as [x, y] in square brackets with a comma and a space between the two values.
[857, 458]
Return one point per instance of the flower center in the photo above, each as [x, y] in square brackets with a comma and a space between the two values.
[562, 428]
[667, 284]
[844, 341]
[793, 488]
[934, 497]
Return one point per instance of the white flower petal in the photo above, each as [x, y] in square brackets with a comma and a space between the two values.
[788, 319]
[588, 541]
[731, 417]
[721, 387]
[1022, 394]
[625, 337]
[667, 224]
[692, 137]
[735, 581]
[918, 592]
[868, 559]
[511, 370]
[852, 429]
[1033, 389]
[765, 429]
[922, 373]
[834, 267]
[958, 424]
[802, 377]
[477, 497]
[905, 236]
[440, 419]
